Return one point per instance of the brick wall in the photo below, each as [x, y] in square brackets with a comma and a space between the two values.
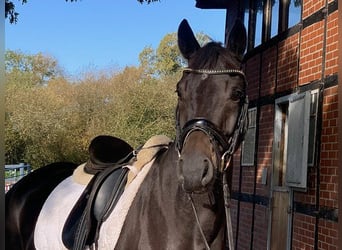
[329, 151]
[303, 236]
[331, 64]
[268, 71]
[311, 53]
[327, 235]
[264, 156]
[245, 222]
[252, 73]
[312, 6]
[260, 227]
[287, 73]
[301, 59]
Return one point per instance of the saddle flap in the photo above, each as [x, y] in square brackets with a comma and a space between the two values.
[93, 207]
[109, 193]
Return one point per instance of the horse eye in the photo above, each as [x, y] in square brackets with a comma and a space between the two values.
[237, 95]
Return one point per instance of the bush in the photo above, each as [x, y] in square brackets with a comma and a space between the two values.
[56, 122]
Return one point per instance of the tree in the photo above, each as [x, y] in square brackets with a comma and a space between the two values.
[57, 121]
[30, 70]
[169, 59]
[166, 60]
[147, 58]
[12, 15]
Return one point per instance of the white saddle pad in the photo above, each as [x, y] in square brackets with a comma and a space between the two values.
[51, 220]
[50, 223]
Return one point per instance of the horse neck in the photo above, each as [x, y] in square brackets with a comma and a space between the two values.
[165, 215]
[209, 206]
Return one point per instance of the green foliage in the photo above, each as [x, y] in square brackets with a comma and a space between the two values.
[202, 38]
[166, 60]
[56, 121]
[169, 59]
[30, 70]
[147, 59]
[50, 119]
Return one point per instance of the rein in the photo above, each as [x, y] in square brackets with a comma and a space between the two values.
[228, 146]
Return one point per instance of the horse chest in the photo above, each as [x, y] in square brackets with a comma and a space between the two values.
[153, 223]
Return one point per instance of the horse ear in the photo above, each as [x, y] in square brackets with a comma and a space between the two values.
[238, 38]
[187, 41]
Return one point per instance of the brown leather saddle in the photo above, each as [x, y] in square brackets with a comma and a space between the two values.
[108, 155]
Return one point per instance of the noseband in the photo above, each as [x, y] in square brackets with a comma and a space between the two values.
[223, 145]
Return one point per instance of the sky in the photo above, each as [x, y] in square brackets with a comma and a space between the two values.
[90, 35]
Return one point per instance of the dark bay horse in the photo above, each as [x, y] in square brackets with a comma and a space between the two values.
[180, 203]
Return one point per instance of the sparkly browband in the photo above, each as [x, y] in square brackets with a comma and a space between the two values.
[215, 72]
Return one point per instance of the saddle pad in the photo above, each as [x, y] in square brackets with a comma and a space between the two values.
[111, 228]
[51, 220]
[54, 213]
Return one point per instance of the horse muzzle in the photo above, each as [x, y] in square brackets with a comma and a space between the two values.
[197, 163]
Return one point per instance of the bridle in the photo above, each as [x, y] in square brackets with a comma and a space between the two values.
[226, 146]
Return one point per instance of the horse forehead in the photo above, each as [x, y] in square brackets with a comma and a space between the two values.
[214, 56]
[213, 85]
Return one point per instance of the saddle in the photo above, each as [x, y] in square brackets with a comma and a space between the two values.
[107, 156]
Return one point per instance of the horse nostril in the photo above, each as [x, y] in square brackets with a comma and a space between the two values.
[207, 174]
[206, 167]
[180, 170]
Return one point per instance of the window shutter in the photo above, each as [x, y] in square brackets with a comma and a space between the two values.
[248, 145]
[298, 138]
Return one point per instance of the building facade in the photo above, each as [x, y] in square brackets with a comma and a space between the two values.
[285, 175]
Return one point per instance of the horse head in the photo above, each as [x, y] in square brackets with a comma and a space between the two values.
[211, 109]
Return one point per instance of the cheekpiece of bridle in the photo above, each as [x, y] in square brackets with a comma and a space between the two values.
[227, 145]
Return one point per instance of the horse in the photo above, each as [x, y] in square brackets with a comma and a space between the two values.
[182, 201]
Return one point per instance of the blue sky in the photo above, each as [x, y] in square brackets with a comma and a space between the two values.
[95, 35]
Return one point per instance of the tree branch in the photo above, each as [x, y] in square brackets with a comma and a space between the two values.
[12, 15]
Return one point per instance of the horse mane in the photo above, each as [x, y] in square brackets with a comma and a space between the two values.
[214, 56]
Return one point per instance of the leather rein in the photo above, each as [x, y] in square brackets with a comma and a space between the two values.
[220, 141]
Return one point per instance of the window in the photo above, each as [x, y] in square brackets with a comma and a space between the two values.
[275, 18]
[248, 145]
[245, 12]
[267, 18]
[258, 23]
[295, 10]
[294, 138]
